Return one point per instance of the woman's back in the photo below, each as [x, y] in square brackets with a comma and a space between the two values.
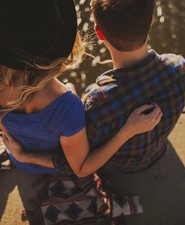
[52, 112]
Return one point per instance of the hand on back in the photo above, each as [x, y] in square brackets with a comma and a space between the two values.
[143, 119]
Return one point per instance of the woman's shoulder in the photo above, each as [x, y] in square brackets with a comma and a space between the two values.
[65, 115]
[58, 101]
[46, 97]
[58, 96]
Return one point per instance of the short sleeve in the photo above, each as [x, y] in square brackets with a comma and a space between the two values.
[75, 117]
[66, 116]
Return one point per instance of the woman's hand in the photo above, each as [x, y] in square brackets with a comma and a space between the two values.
[84, 162]
[143, 119]
[12, 145]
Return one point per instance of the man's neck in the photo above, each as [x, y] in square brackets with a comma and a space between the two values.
[126, 59]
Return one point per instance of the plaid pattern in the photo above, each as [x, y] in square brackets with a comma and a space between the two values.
[157, 78]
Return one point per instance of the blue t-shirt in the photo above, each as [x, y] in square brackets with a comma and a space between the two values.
[41, 130]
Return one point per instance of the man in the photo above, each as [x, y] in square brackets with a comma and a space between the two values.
[138, 76]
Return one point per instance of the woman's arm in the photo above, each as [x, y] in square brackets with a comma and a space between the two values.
[84, 162]
[76, 147]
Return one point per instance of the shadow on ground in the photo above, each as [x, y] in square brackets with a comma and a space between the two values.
[161, 190]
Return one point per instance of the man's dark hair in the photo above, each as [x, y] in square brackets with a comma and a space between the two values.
[124, 23]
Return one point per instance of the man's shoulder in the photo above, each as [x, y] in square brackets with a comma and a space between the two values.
[99, 93]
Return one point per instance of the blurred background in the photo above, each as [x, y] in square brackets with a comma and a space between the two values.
[167, 35]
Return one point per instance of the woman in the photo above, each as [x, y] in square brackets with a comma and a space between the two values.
[38, 42]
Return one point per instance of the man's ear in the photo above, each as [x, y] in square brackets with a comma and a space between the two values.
[99, 33]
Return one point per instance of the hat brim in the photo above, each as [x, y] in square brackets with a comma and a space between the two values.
[66, 39]
[20, 60]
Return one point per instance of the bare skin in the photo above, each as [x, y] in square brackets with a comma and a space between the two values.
[121, 59]
[82, 160]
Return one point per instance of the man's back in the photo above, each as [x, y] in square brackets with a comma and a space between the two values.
[157, 78]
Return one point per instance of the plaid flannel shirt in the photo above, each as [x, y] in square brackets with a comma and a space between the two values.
[157, 78]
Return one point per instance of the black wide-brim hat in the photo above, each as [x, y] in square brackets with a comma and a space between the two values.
[36, 32]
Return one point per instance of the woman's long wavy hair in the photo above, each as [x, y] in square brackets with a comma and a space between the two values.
[37, 79]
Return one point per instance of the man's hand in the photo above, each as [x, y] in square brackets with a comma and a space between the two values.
[12, 145]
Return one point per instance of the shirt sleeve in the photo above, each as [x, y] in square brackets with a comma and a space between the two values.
[74, 120]
[66, 117]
